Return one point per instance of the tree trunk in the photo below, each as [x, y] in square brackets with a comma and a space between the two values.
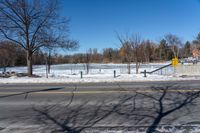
[137, 66]
[87, 68]
[49, 68]
[29, 63]
[49, 62]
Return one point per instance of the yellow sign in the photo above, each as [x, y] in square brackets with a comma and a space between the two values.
[174, 62]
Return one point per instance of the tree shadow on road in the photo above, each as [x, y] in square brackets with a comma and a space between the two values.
[137, 107]
[26, 93]
[74, 118]
[161, 105]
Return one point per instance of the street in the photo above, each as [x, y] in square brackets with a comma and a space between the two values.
[74, 107]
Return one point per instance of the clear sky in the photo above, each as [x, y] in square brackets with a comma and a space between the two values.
[95, 22]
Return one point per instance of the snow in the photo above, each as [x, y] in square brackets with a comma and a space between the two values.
[70, 73]
[163, 129]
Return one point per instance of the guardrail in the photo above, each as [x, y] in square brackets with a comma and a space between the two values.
[156, 70]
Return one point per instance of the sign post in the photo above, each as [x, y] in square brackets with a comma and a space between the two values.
[174, 62]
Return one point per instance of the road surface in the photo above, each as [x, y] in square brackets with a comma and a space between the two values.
[56, 107]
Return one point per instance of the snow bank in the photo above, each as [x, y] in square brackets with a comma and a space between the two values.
[70, 73]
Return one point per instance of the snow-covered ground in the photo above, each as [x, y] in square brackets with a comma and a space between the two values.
[162, 129]
[70, 73]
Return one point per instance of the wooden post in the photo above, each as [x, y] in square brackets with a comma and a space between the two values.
[114, 74]
[81, 74]
[145, 73]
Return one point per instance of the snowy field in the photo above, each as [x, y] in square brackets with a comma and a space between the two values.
[71, 73]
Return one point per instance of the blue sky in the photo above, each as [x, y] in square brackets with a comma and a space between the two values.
[95, 22]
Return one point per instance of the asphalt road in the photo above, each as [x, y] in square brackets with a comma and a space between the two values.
[48, 107]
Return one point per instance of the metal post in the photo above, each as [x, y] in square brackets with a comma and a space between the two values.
[114, 74]
[49, 62]
[81, 74]
[145, 73]
[46, 69]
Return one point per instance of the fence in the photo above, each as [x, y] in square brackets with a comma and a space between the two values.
[108, 68]
[188, 69]
[75, 69]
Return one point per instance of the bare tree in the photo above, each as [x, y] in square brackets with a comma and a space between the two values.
[175, 44]
[126, 50]
[131, 49]
[138, 51]
[126, 54]
[88, 58]
[107, 55]
[148, 50]
[34, 25]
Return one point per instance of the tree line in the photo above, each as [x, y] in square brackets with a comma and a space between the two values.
[145, 51]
